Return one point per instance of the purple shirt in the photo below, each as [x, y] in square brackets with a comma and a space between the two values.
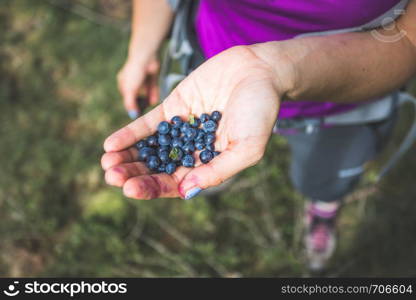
[221, 24]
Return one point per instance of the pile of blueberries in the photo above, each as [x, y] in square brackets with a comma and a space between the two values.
[175, 143]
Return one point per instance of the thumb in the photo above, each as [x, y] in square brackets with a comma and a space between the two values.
[219, 169]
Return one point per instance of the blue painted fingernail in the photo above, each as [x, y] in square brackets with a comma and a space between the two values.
[192, 193]
[133, 114]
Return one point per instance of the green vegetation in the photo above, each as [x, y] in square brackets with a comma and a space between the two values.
[58, 101]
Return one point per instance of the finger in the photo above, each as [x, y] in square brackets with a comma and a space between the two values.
[153, 89]
[131, 105]
[142, 100]
[147, 124]
[153, 186]
[152, 82]
[153, 67]
[112, 159]
[129, 93]
[222, 167]
[119, 174]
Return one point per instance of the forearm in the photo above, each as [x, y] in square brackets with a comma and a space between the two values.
[150, 23]
[343, 68]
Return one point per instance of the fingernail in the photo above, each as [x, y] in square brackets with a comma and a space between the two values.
[192, 193]
[133, 114]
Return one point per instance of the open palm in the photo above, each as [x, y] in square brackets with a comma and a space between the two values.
[237, 84]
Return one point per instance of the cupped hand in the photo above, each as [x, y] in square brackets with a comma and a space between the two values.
[137, 78]
[239, 85]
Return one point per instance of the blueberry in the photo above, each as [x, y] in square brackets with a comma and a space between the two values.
[176, 154]
[164, 156]
[189, 147]
[210, 147]
[145, 153]
[170, 168]
[185, 127]
[176, 121]
[177, 142]
[141, 144]
[163, 128]
[152, 141]
[191, 133]
[153, 162]
[161, 168]
[200, 135]
[216, 116]
[186, 139]
[210, 126]
[205, 156]
[188, 161]
[175, 132]
[163, 148]
[194, 121]
[204, 118]
[164, 140]
[209, 138]
[199, 145]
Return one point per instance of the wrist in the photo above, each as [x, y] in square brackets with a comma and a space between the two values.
[137, 60]
[139, 53]
[276, 56]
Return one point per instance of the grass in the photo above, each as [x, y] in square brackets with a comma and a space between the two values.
[58, 101]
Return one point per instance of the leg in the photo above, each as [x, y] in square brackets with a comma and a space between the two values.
[326, 166]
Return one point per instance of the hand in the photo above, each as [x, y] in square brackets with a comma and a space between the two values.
[239, 85]
[136, 78]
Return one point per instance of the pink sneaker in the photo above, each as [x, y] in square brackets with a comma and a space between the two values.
[320, 237]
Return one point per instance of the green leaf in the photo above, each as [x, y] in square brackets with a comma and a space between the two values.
[174, 153]
[191, 119]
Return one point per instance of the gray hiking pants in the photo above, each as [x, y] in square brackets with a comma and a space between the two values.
[328, 163]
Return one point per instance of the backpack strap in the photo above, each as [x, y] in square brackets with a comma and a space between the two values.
[366, 112]
[404, 98]
[389, 16]
[182, 47]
